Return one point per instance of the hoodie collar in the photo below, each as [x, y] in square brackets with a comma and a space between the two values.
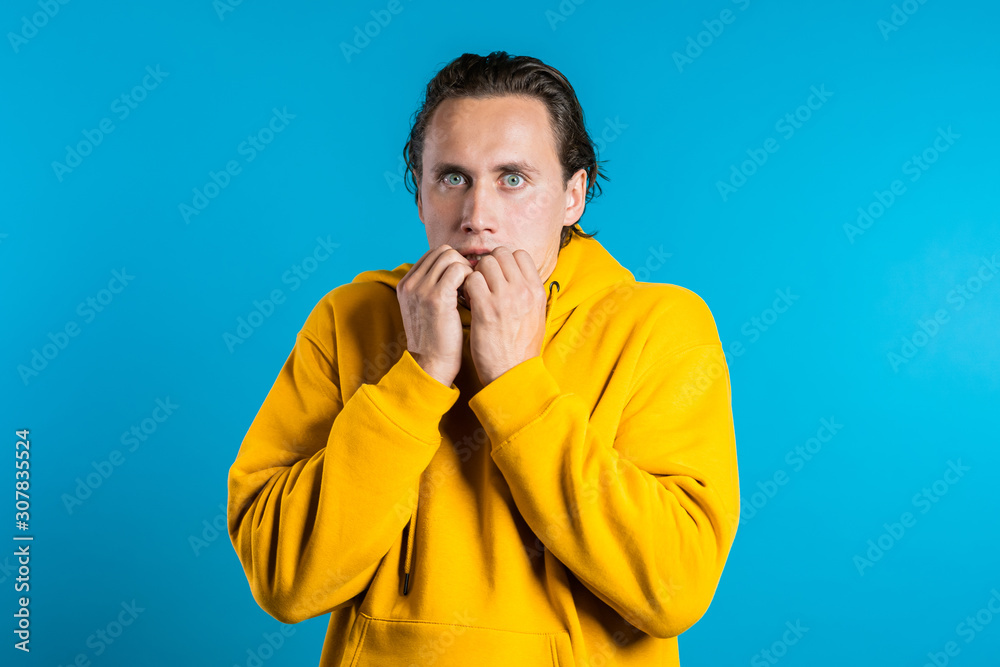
[584, 270]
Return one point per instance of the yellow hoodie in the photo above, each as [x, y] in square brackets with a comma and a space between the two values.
[578, 510]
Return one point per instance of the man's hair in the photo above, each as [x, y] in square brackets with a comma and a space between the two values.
[500, 74]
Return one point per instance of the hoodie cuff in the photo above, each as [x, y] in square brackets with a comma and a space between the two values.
[514, 400]
[413, 399]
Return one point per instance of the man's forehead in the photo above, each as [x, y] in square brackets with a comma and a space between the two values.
[510, 131]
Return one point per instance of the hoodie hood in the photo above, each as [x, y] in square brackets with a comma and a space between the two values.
[584, 270]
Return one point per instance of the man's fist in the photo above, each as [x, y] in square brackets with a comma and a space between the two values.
[507, 300]
[428, 303]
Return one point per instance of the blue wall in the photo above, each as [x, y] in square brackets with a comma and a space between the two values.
[835, 161]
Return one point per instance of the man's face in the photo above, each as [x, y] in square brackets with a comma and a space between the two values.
[491, 177]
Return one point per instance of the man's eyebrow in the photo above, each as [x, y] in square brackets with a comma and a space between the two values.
[443, 168]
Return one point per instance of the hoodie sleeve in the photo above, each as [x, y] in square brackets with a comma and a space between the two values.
[321, 488]
[644, 520]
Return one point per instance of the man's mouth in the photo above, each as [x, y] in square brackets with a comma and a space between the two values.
[473, 259]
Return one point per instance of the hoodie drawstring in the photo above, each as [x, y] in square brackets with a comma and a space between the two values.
[411, 531]
[551, 300]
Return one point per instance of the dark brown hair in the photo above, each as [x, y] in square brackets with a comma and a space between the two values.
[498, 74]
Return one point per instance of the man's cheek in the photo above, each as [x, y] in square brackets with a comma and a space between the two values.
[536, 207]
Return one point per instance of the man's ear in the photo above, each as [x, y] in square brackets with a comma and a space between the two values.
[420, 203]
[576, 197]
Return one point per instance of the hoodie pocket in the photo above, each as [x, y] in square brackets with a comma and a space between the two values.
[384, 643]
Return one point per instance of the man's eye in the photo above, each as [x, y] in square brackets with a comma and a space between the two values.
[458, 179]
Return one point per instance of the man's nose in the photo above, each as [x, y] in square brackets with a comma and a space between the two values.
[480, 209]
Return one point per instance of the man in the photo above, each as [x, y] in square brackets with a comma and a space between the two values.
[508, 452]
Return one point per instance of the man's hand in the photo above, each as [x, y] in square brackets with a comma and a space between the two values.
[507, 301]
[428, 303]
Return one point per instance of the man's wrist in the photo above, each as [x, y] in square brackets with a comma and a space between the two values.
[431, 369]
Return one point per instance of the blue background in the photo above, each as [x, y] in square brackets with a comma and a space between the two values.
[683, 126]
